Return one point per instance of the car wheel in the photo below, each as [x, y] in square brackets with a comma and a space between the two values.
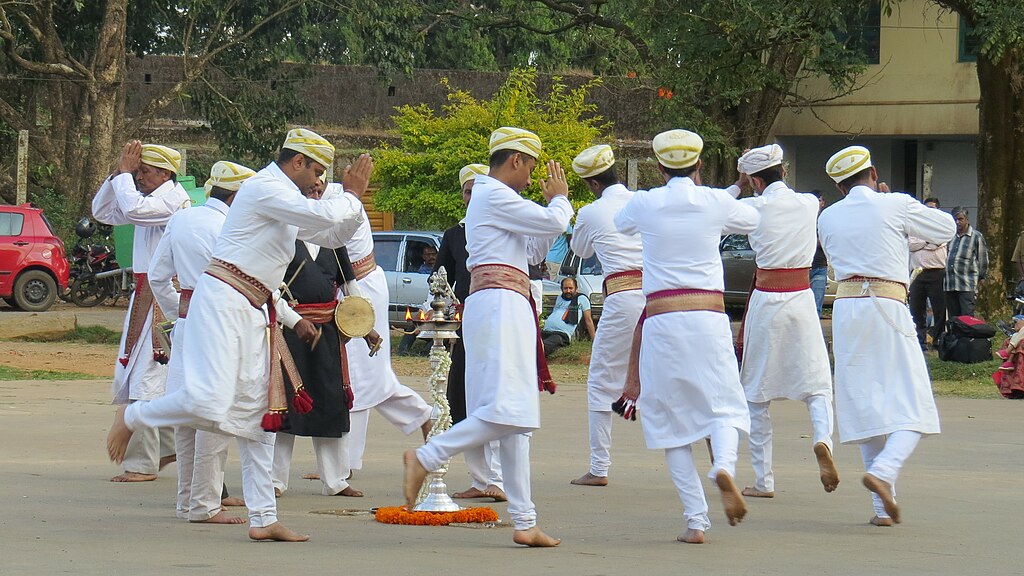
[35, 291]
[88, 292]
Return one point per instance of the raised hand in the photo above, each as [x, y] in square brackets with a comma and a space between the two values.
[131, 157]
[555, 184]
[357, 175]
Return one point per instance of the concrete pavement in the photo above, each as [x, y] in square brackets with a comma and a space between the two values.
[960, 495]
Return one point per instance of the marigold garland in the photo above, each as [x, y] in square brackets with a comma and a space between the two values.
[401, 515]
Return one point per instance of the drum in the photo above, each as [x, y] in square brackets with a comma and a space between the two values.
[354, 316]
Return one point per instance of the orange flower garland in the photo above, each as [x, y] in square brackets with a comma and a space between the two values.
[401, 515]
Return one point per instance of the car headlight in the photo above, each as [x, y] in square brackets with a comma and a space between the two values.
[596, 299]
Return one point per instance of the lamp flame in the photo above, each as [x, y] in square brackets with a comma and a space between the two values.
[458, 317]
[408, 315]
[423, 316]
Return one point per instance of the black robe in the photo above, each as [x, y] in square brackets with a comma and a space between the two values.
[320, 369]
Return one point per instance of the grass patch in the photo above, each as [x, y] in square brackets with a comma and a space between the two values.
[8, 373]
[83, 334]
[577, 352]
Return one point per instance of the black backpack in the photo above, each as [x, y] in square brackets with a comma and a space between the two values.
[970, 327]
[967, 339]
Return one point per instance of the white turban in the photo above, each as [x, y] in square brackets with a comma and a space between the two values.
[758, 159]
[161, 157]
[508, 138]
[848, 162]
[593, 161]
[227, 175]
[471, 171]
[677, 149]
[311, 145]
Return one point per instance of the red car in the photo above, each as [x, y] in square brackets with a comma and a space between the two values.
[33, 263]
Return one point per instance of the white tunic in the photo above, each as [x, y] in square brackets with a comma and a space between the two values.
[882, 383]
[690, 381]
[595, 232]
[499, 326]
[784, 354]
[372, 378]
[119, 202]
[224, 379]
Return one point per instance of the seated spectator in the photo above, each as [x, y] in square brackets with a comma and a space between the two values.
[429, 258]
[570, 308]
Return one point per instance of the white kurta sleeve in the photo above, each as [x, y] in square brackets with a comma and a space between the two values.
[627, 220]
[581, 243]
[285, 314]
[161, 271]
[139, 209]
[734, 190]
[328, 223]
[510, 211]
[104, 205]
[928, 224]
[741, 217]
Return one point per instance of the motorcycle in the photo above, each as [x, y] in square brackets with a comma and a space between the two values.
[95, 273]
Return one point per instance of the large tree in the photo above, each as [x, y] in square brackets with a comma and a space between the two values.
[999, 27]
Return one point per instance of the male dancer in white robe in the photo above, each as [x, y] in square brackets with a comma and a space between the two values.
[884, 396]
[374, 383]
[687, 367]
[184, 252]
[784, 355]
[144, 191]
[622, 261]
[226, 380]
[504, 233]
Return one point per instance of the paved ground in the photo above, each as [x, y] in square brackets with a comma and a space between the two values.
[961, 496]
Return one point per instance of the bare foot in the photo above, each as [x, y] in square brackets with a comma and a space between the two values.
[277, 492]
[535, 538]
[167, 460]
[826, 467]
[276, 532]
[589, 479]
[415, 474]
[311, 477]
[221, 517]
[873, 483]
[496, 493]
[133, 477]
[470, 493]
[118, 437]
[692, 536]
[350, 492]
[751, 492]
[232, 501]
[735, 507]
[876, 521]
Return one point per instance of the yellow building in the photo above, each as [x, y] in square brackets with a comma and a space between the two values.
[915, 108]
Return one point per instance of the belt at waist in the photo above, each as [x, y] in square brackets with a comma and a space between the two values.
[683, 300]
[184, 299]
[254, 291]
[364, 266]
[782, 279]
[865, 287]
[319, 313]
[623, 281]
[503, 276]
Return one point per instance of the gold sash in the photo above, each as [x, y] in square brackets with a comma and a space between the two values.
[864, 287]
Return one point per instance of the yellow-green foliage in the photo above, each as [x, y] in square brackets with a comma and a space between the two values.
[419, 178]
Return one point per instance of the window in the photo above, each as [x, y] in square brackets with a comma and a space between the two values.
[385, 252]
[863, 31]
[420, 255]
[969, 43]
[11, 223]
[735, 243]
[591, 266]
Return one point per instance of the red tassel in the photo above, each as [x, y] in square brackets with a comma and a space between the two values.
[350, 397]
[123, 361]
[302, 402]
[549, 386]
[272, 422]
[160, 357]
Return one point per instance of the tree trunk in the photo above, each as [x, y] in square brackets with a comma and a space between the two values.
[1000, 170]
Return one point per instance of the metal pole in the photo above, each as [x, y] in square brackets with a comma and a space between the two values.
[631, 174]
[22, 185]
[184, 163]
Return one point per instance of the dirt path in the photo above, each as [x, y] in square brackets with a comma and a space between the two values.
[94, 359]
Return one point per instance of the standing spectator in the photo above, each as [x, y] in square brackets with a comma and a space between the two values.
[927, 285]
[570, 309]
[966, 266]
[819, 264]
[1018, 259]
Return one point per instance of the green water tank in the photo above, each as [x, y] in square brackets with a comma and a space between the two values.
[124, 235]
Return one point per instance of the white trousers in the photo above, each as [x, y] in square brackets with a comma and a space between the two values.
[884, 457]
[331, 462]
[147, 447]
[819, 407]
[405, 409]
[725, 442]
[211, 454]
[515, 459]
[600, 442]
[484, 463]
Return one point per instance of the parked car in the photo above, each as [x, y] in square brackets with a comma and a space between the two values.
[33, 262]
[400, 255]
[737, 262]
